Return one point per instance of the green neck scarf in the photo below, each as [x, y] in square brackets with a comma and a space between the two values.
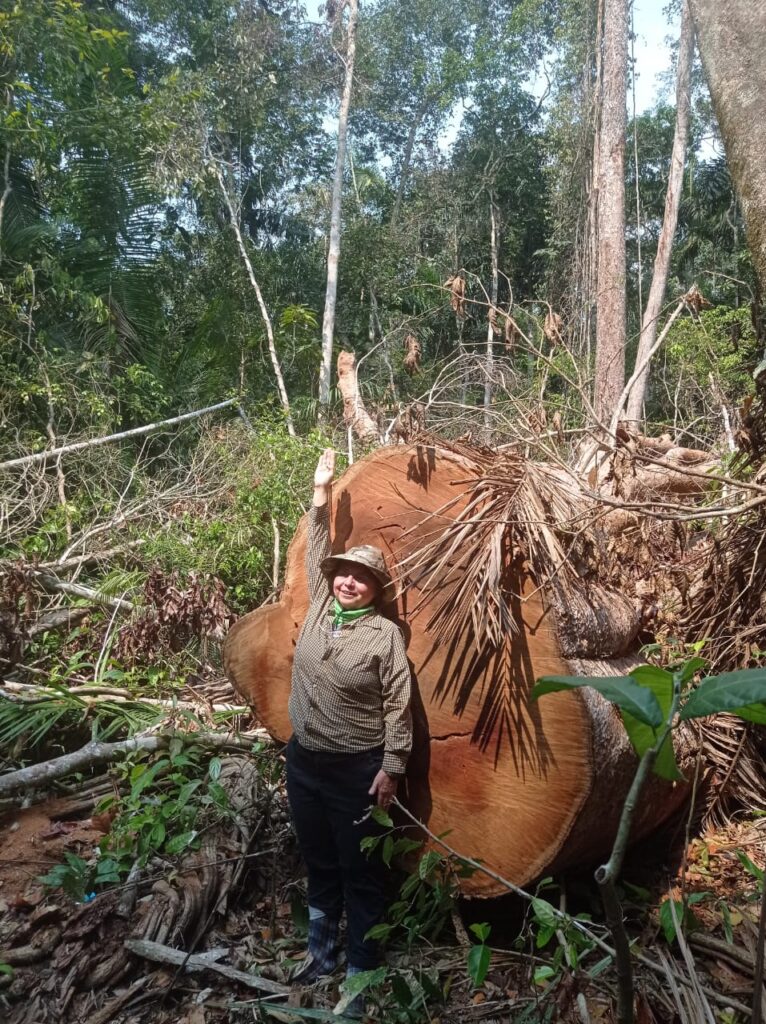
[341, 616]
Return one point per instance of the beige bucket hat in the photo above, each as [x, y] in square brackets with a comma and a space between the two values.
[370, 557]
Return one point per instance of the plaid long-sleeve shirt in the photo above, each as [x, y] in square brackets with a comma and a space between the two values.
[352, 691]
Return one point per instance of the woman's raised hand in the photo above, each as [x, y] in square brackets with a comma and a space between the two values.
[325, 470]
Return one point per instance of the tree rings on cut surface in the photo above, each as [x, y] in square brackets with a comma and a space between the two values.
[521, 786]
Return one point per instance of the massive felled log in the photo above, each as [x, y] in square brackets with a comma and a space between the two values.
[524, 786]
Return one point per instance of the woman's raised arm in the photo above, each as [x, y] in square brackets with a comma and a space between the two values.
[318, 544]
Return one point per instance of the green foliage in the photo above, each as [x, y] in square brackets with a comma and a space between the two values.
[631, 696]
[479, 955]
[677, 915]
[163, 806]
[741, 693]
[35, 721]
[168, 799]
[650, 699]
[75, 877]
[719, 344]
[268, 483]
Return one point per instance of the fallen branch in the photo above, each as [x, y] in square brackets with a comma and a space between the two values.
[94, 753]
[26, 693]
[91, 557]
[53, 583]
[161, 954]
[78, 446]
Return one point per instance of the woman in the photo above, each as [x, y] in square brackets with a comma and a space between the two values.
[352, 734]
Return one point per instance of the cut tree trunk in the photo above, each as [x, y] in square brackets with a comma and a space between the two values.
[354, 413]
[526, 787]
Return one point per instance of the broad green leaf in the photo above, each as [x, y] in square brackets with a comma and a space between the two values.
[382, 817]
[427, 863]
[752, 713]
[543, 974]
[667, 921]
[401, 990]
[658, 680]
[388, 849]
[478, 963]
[179, 843]
[481, 931]
[726, 692]
[689, 668]
[620, 690]
[365, 979]
[544, 912]
[642, 736]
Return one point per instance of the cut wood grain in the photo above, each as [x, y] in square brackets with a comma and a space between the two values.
[524, 786]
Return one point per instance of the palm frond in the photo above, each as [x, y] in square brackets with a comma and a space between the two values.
[36, 719]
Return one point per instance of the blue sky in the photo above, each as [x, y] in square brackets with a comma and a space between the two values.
[652, 54]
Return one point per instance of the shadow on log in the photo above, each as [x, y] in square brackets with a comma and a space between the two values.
[526, 787]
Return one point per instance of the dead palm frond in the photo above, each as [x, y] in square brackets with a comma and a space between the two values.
[522, 526]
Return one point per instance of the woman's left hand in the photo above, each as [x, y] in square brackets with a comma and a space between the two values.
[384, 787]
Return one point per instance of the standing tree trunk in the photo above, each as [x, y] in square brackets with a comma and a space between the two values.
[732, 42]
[670, 219]
[333, 254]
[610, 300]
[492, 317]
[407, 159]
[261, 304]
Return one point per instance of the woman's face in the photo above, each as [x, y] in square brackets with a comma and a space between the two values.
[354, 586]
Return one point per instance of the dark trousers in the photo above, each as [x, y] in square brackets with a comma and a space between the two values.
[328, 793]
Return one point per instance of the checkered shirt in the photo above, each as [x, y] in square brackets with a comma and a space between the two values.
[350, 691]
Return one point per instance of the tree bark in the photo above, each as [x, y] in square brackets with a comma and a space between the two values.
[610, 299]
[670, 219]
[355, 415]
[333, 254]
[492, 315]
[732, 42]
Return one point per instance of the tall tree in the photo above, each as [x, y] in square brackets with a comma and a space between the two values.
[732, 43]
[672, 201]
[333, 252]
[611, 303]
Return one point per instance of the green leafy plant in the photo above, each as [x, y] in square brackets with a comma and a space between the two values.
[78, 878]
[427, 896]
[479, 955]
[653, 701]
[160, 814]
[160, 811]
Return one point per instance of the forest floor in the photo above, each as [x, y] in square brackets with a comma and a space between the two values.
[46, 936]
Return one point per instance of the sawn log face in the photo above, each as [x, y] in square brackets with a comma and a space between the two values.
[509, 778]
